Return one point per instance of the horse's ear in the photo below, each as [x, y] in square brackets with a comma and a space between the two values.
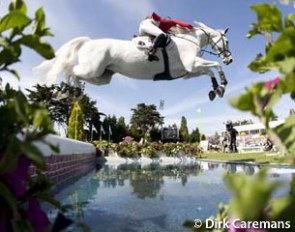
[226, 30]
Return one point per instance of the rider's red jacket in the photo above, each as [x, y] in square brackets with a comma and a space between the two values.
[166, 24]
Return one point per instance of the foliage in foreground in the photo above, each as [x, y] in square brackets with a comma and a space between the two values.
[252, 202]
[280, 56]
[252, 199]
[23, 124]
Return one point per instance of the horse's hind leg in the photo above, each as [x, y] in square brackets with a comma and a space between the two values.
[104, 79]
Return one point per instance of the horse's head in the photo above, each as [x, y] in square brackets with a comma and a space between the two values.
[219, 44]
[218, 41]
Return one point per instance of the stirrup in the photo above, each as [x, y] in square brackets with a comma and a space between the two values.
[152, 57]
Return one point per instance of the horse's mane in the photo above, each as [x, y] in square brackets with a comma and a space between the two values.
[176, 30]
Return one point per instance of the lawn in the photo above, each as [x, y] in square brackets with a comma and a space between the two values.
[246, 157]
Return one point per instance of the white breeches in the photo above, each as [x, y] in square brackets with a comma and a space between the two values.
[149, 27]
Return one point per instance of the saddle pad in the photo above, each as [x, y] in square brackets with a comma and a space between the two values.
[142, 42]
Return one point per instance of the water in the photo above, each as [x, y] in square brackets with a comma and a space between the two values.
[152, 198]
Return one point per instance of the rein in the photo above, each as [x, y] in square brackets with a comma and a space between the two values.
[211, 53]
[225, 52]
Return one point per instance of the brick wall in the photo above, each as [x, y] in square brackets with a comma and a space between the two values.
[74, 160]
[65, 169]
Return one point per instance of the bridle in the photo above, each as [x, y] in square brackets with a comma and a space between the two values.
[225, 52]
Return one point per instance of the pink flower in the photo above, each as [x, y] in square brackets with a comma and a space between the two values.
[16, 182]
[128, 139]
[16, 179]
[37, 218]
[5, 216]
[272, 83]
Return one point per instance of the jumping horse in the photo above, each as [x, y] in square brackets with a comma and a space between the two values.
[96, 61]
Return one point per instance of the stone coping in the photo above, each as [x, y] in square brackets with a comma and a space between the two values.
[66, 146]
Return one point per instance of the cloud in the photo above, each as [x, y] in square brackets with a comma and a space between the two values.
[107, 104]
[123, 81]
[197, 100]
[131, 9]
[61, 18]
[189, 103]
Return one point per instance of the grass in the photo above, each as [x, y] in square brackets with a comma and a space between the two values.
[246, 157]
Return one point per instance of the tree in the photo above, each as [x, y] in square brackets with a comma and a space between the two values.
[183, 131]
[91, 115]
[121, 130]
[144, 118]
[76, 121]
[195, 136]
[60, 109]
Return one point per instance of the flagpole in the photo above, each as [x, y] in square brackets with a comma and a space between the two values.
[199, 111]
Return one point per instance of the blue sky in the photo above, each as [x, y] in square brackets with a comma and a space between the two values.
[120, 18]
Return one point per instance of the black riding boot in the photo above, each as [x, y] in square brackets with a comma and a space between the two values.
[158, 41]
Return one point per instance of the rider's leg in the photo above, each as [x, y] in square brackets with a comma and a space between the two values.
[151, 28]
[160, 39]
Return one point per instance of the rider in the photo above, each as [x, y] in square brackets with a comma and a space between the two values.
[159, 27]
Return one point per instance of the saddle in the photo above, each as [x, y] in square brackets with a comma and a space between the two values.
[145, 43]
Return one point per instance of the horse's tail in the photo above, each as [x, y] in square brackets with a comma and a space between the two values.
[63, 62]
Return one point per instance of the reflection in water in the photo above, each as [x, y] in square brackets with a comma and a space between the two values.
[146, 181]
[132, 197]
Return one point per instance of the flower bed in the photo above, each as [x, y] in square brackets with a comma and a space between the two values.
[133, 149]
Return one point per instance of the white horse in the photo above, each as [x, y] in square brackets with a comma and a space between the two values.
[95, 61]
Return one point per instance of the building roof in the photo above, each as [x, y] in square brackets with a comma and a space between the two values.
[258, 126]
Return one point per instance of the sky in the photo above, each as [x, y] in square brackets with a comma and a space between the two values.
[120, 19]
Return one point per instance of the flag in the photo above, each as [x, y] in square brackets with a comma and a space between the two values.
[102, 130]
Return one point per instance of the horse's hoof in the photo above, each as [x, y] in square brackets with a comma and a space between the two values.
[212, 95]
[220, 91]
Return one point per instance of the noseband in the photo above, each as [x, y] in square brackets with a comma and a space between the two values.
[225, 52]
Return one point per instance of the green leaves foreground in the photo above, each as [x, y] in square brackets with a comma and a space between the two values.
[279, 57]
[13, 28]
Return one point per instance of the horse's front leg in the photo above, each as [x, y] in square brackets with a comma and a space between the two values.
[223, 82]
[203, 66]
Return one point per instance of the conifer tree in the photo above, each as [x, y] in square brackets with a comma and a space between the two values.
[183, 131]
[75, 126]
